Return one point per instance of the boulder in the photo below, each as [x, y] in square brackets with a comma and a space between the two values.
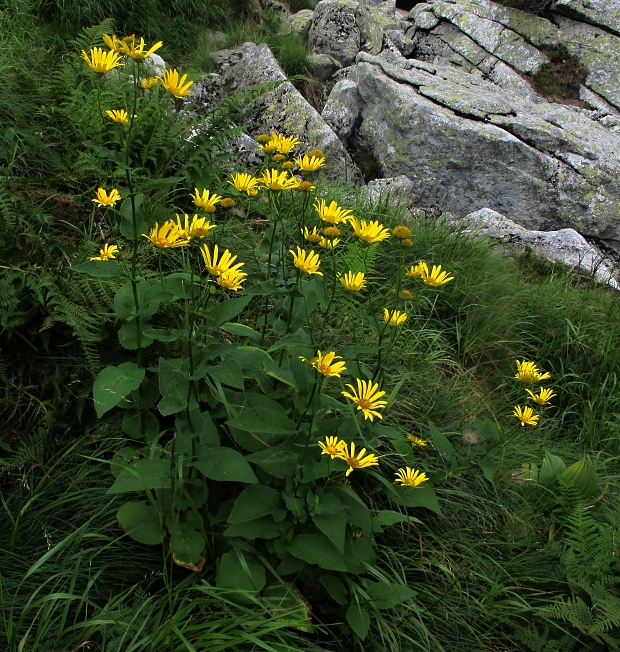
[299, 23]
[423, 17]
[334, 30]
[342, 109]
[398, 189]
[373, 21]
[604, 13]
[405, 45]
[565, 245]
[323, 66]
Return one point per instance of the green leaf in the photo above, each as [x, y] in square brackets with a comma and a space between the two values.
[287, 605]
[387, 595]
[358, 619]
[443, 446]
[335, 588]
[259, 528]
[113, 384]
[240, 570]
[257, 501]
[174, 387]
[120, 158]
[143, 474]
[99, 268]
[330, 517]
[266, 288]
[140, 521]
[298, 339]
[278, 461]
[140, 424]
[387, 517]
[421, 496]
[550, 469]
[226, 310]
[261, 420]
[179, 286]
[132, 335]
[127, 225]
[241, 330]
[195, 425]
[281, 373]
[228, 373]
[225, 464]
[488, 468]
[149, 298]
[354, 351]
[161, 334]
[358, 513]
[187, 542]
[317, 549]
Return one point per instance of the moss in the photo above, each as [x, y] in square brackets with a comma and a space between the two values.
[561, 78]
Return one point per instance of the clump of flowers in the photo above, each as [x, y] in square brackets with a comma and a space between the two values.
[206, 201]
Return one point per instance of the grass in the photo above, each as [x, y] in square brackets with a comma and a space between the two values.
[485, 573]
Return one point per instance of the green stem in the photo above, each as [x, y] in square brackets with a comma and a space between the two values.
[333, 293]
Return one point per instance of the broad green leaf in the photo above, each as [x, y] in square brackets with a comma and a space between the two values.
[140, 521]
[161, 334]
[187, 542]
[358, 513]
[132, 335]
[143, 474]
[358, 619]
[317, 549]
[387, 517]
[354, 351]
[550, 469]
[240, 570]
[249, 358]
[241, 330]
[582, 477]
[114, 383]
[488, 468]
[387, 595]
[226, 310]
[443, 446]
[228, 373]
[260, 420]
[127, 227]
[198, 427]
[330, 517]
[259, 528]
[287, 605]
[179, 286]
[99, 268]
[120, 158]
[140, 424]
[335, 588]
[278, 461]
[300, 338]
[225, 464]
[174, 387]
[421, 496]
[281, 373]
[254, 502]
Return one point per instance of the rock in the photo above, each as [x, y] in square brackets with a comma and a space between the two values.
[400, 189]
[423, 17]
[323, 66]
[565, 245]
[156, 64]
[278, 8]
[604, 13]
[373, 21]
[247, 66]
[342, 109]
[207, 92]
[299, 23]
[334, 30]
[504, 76]
[404, 44]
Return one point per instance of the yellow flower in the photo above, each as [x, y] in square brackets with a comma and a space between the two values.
[309, 163]
[325, 364]
[200, 227]
[405, 295]
[119, 115]
[311, 236]
[406, 242]
[316, 153]
[227, 202]
[100, 61]
[328, 243]
[149, 82]
[103, 199]
[526, 415]
[224, 265]
[231, 280]
[394, 318]
[135, 50]
[369, 232]
[401, 232]
[287, 165]
[543, 397]
[367, 398]
[436, 277]
[307, 262]
[107, 253]
[410, 477]
[175, 86]
[528, 372]
[115, 43]
[245, 183]
[280, 143]
[279, 157]
[167, 237]
[353, 282]
[416, 440]
[305, 186]
[332, 214]
[276, 180]
[331, 232]
[262, 139]
[416, 270]
[357, 461]
[207, 201]
[332, 446]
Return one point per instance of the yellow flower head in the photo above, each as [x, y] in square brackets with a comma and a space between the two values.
[543, 397]
[119, 115]
[416, 270]
[528, 372]
[416, 440]
[245, 183]
[325, 364]
[305, 186]
[222, 266]
[401, 232]
[149, 82]
[115, 43]
[307, 262]
[410, 477]
[369, 232]
[331, 232]
[328, 243]
[359, 461]
[262, 139]
[231, 280]
[168, 237]
[100, 61]
[332, 446]
[394, 318]
[279, 157]
[406, 242]
[367, 398]
[206, 201]
[353, 282]
[103, 199]
[107, 253]
[175, 86]
[200, 227]
[436, 277]
[309, 163]
[227, 202]
[332, 214]
[405, 295]
[287, 165]
[279, 143]
[316, 153]
[526, 416]
[312, 236]
[134, 49]
[276, 180]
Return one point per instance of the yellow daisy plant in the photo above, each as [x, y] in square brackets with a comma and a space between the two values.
[367, 397]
